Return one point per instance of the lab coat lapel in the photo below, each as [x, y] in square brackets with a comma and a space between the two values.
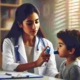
[22, 51]
[40, 47]
[37, 53]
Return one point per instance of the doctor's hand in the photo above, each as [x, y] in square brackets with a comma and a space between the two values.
[44, 57]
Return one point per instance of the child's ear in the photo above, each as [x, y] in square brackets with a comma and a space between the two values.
[71, 51]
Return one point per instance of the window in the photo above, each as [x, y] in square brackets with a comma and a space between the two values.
[74, 13]
[60, 15]
[67, 14]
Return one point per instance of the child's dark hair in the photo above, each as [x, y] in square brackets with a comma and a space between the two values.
[71, 38]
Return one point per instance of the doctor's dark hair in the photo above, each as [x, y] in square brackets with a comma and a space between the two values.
[71, 39]
[21, 14]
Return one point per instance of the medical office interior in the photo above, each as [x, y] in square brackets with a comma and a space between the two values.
[55, 15]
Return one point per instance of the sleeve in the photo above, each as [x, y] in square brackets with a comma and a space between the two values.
[51, 67]
[8, 60]
[61, 69]
[75, 73]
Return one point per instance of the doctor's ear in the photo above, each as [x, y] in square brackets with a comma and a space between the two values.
[20, 25]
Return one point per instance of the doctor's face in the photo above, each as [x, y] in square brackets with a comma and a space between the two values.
[31, 24]
[63, 52]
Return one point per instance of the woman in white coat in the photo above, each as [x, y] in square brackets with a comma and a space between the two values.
[23, 49]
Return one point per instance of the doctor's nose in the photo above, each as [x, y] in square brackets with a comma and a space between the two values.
[34, 26]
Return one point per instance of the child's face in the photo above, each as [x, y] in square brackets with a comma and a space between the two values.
[63, 52]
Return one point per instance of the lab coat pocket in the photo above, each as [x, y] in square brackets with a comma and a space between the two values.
[42, 69]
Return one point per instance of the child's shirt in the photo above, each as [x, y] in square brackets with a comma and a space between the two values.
[70, 72]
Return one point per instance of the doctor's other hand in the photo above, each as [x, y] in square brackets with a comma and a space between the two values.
[44, 57]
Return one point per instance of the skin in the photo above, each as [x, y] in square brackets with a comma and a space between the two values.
[30, 28]
[65, 53]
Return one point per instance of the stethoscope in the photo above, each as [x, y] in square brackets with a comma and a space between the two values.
[17, 52]
[18, 55]
[40, 39]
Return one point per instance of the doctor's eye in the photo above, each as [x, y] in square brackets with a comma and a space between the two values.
[37, 21]
[29, 23]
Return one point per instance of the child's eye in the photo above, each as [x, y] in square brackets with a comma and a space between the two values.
[60, 45]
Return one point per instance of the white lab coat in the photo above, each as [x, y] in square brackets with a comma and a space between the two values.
[9, 59]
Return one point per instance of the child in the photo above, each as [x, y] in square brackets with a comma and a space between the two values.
[69, 48]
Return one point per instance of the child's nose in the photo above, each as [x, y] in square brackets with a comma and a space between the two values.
[58, 48]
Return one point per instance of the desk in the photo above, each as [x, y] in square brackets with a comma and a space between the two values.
[44, 77]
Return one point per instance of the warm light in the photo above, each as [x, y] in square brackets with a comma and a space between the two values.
[74, 0]
[74, 13]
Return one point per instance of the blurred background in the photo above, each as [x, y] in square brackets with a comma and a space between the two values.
[55, 15]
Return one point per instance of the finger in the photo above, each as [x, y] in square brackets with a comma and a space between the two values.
[45, 59]
[46, 55]
[45, 49]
